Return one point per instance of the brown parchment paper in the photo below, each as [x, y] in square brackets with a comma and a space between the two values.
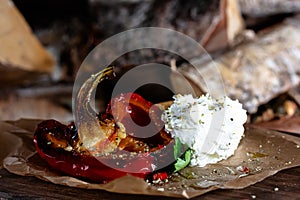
[263, 152]
[8, 141]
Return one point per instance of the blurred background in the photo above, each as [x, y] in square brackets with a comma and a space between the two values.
[255, 44]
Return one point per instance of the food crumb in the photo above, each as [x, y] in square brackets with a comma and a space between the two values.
[276, 189]
[298, 146]
[160, 189]
[253, 196]
[288, 163]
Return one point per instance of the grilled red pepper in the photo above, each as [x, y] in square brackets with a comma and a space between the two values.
[160, 176]
[61, 147]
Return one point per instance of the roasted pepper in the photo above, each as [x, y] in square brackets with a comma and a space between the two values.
[62, 148]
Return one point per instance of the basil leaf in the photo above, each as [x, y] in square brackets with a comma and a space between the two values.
[180, 164]
[177, 148]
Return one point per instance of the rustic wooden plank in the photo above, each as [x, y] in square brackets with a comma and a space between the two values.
[19, 187]
[262, 8]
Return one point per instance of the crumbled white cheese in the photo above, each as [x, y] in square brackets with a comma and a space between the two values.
[212, 128]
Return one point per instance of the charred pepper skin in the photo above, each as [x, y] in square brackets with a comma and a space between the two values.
[60, 145]
[73, 162]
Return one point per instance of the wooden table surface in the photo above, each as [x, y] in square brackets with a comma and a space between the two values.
[19, 187]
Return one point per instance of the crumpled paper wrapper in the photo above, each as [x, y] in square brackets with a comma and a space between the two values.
[260, 154]
[284, 124]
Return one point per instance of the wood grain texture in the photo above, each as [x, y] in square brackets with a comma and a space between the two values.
[19, 187]
[244, 69]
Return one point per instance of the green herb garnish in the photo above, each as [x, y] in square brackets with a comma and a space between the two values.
[179, 148]
[182, 163]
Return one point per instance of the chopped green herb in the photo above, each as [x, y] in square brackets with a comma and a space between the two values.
[201, 122]
[211, 107]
